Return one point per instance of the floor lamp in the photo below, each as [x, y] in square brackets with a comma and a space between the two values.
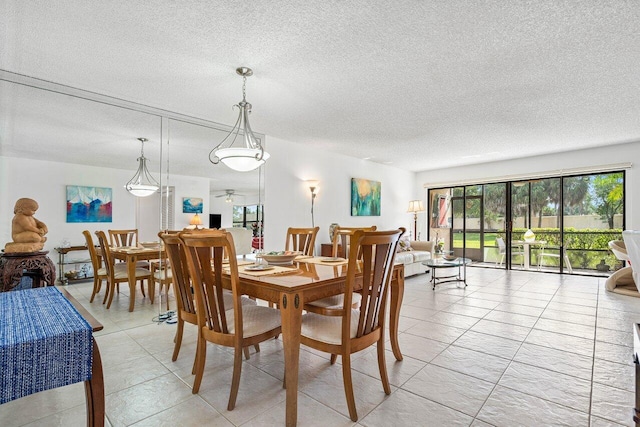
[415, 206]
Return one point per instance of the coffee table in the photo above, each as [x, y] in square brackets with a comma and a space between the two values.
[461, 276]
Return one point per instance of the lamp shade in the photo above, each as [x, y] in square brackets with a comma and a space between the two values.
[195, 220]
[242, 159]
[142, 184]
[415, 206]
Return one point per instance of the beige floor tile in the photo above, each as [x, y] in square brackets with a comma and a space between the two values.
[472, 363]
[562, 342]
[453, 389]
[512, 318]
[193, 412]
[614, 352]
[614, 374]
[520, 309]
[615, 337]
[136, 403]
[561, 327]
[436, 331]
[489, 344]
[548, 385]
[612, 404]
[555, 360]
[419, 348]
[500, 329]
[407, 409]
[507, 407]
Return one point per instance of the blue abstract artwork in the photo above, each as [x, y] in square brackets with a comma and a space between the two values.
[88, 204]
[192, 205]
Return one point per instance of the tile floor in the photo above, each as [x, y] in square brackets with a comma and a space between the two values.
[513, 348]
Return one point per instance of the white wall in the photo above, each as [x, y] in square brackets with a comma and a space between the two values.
[46, 183]
[288, 198]
[594, 157]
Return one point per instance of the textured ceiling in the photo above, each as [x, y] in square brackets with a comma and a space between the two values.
[417, 84]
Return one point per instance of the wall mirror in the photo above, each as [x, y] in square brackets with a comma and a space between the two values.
[49, 122]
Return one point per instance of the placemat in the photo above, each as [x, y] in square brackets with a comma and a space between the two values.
[44, 343]
[319, 260]
[277, 269]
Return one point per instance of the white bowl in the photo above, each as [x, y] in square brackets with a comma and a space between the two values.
[286, 259]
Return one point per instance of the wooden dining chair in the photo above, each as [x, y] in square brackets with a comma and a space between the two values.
[184, 292]
[236, 326]
[371, 257]
[341, 243]
[162, 275]
[123, 237]
[99, 272]
[301, 239]
[119, 274]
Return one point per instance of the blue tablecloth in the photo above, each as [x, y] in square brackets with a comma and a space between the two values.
[44, 343]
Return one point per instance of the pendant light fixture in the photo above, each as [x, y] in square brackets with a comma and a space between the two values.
[251, 155]
[142, 184]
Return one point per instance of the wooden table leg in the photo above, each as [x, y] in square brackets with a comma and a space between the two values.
[94, 391]
[397, 293]
[291, 312]
[131, 269]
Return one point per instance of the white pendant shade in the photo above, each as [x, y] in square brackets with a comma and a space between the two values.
[252, 155]
[242, 159]
[142, 184]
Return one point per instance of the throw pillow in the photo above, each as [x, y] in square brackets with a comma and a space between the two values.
[404, 245]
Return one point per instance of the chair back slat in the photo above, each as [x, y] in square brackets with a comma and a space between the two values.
[301, 239]
[96, 262]
[124, 237]
[180, 271]
[371, 254]
[106, 253]
[342, 238]
[205, 251]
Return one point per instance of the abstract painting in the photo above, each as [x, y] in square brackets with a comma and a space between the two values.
[88, 204]
[365, 197]
[191, 205]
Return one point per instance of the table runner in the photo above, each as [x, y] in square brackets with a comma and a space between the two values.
[44, 343]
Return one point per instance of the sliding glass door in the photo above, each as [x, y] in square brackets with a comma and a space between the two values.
[552, 224]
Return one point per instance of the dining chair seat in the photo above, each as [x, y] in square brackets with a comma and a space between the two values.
[121, 272]
[257, 319]
[334, 302]
[328, 329]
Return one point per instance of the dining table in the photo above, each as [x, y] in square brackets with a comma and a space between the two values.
[132, 255]
[306, 280]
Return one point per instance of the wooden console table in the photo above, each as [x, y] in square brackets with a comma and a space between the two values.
[15, 265]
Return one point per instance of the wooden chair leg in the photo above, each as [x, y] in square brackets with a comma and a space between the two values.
[96, 287]
[201, 355]
[246, 353]
[235, 381]
[257, 347]
[348, 386]
[382, 366]
[110, 296]
[178, 339]
[142, 289]
[152, 289]
[334, 357]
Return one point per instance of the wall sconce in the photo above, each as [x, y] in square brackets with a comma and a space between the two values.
[415, 206]
[313, 186]
[196, 221]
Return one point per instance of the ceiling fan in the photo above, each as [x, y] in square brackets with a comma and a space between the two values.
[229, 195]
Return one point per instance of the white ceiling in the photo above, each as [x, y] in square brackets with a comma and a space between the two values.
[417, 84]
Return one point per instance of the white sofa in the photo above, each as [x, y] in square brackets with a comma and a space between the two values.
[413, 259]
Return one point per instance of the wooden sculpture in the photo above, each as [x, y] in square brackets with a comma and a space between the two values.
[26, 231]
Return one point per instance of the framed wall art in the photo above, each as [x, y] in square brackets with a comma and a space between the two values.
[365, 197]
[88, 204]
[192, 205]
